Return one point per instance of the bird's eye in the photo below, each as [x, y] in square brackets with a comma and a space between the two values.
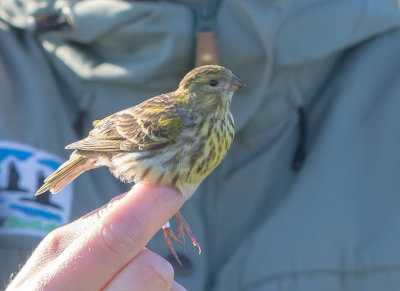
[213, 82]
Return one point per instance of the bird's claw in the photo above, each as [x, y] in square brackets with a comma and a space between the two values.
[184, 226]
[167, 232]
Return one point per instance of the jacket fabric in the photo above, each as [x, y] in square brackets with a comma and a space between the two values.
[307, 197]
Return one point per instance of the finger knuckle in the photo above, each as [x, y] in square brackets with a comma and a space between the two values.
[54, 242]
[122, 237]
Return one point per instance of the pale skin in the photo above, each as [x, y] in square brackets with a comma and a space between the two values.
[105, 250]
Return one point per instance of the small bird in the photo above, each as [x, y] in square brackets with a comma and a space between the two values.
[175, 139]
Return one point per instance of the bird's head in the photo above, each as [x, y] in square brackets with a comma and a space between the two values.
[210, 86]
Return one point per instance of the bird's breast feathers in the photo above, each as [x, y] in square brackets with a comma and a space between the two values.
[183, 164]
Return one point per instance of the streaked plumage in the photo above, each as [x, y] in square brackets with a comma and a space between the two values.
[173, 139]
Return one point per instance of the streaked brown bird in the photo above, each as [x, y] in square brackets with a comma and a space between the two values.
[173, 139]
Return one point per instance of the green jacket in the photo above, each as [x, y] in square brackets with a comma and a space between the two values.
[307, 197]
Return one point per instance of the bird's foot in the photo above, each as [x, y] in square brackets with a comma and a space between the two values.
[167, 232]
[184, 226]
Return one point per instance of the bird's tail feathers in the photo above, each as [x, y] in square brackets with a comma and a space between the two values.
[65, 174]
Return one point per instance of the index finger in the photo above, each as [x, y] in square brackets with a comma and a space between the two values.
[118, 234]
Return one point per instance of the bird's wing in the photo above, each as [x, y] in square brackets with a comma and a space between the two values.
[150, 125]
[148, 132]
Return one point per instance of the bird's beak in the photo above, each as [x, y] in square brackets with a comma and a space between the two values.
[236, 83]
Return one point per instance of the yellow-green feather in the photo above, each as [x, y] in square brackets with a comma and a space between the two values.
[171, 126]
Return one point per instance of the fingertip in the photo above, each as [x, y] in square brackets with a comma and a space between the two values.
[159, 193]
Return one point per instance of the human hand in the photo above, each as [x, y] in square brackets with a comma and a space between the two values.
[105, 250]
